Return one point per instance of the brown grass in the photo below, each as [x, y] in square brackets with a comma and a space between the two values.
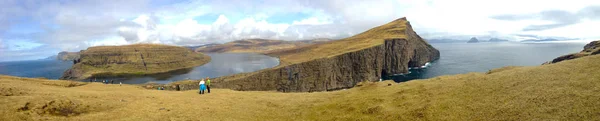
[563, 91]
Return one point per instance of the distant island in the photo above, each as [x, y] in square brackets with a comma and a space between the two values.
[128, 60]
[473, 40]
[497, 40]
[540, 40]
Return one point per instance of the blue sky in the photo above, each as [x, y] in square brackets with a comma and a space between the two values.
[34, 29]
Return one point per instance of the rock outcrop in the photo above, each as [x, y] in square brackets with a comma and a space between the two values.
[138, 59]
[473, 40]
[391, 49]
[591, 48]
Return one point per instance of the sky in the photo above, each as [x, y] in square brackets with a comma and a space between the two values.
[34, 29]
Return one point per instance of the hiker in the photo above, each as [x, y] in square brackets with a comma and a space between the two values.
[208, 84]
[112, 81]
[120, 83]
[177, 87]
[202, 87]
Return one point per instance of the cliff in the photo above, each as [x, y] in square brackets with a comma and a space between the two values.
[591, 48]
[388, 49]
[67, 56]
[138, 59]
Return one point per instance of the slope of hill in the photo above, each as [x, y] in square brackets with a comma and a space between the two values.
[137, 59]
[562, 91]
[256, 45]
[384, 50]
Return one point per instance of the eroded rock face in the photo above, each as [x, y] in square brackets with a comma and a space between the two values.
[591, 48]
[394, 56]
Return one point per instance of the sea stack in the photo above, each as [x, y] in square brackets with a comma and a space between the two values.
[384, 50]
[137, 59]
[473, 40]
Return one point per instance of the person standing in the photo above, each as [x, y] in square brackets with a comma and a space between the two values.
[208, 84]
[202, 87]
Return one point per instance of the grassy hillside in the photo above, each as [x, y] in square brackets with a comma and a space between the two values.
[562, 91]
[256, 45]
[137, 59]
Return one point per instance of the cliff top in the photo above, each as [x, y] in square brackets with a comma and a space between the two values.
[369, 38]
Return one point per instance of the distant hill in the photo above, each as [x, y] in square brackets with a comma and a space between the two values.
[540, 40]
[445, 41]
[199, 46]
[255, 45]
[473, 40]
[67, 56]
[137, 59]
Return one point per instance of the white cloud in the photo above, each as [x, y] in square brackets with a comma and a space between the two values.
[312, 21]
[77, 25]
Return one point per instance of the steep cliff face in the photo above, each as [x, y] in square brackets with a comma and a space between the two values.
[591, 48]
[393, 55]
[139, 59]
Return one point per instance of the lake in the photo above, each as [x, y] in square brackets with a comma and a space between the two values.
[221, 64]
[458, 58]
[455, 58]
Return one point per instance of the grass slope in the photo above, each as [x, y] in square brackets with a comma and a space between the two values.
[562, 91]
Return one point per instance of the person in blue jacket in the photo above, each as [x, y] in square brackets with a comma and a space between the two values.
[202, 86]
